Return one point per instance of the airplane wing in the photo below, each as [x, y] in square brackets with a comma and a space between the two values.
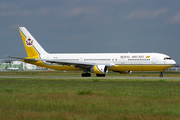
[82, 65]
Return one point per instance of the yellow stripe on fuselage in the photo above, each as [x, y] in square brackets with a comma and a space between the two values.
[55, 67]
[116, 68]
[152, 67]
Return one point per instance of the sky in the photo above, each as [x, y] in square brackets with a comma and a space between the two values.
[92, 26]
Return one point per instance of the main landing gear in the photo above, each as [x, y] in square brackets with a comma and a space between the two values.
[89, 75]
[100, 75]
[86, 74]
[161, 75]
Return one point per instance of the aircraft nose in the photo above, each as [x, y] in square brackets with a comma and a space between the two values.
[174, 62]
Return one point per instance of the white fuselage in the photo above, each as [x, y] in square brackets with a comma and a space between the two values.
[114, 58]
[119, 61]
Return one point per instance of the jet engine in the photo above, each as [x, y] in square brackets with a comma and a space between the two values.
[99, 69]
[125, 72]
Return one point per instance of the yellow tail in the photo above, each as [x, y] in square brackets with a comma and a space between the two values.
[33, 49]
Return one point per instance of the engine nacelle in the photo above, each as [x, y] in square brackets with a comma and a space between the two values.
[99, 69]
[128, 72]
[125, 72]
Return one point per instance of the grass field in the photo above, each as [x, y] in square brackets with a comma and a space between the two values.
[78, 73]
[90, 98]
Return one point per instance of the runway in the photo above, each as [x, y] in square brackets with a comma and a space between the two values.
[61, 77]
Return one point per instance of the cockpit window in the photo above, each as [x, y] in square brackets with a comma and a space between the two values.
[167, 58]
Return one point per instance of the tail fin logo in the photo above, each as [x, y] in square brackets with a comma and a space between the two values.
[29, 42]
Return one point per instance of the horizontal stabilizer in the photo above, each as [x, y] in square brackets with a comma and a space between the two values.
[23, 58]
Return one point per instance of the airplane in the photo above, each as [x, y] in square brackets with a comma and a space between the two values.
[12, 68]
[98, 63]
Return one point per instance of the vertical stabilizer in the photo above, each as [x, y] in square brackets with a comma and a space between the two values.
[33, 48]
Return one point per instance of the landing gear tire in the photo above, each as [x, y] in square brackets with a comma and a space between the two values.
[100, 75]
[86, 74]
[161, 75]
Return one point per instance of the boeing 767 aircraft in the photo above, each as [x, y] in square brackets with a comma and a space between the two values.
[98, 63]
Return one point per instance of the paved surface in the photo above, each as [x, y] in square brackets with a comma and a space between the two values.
[60, 77]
